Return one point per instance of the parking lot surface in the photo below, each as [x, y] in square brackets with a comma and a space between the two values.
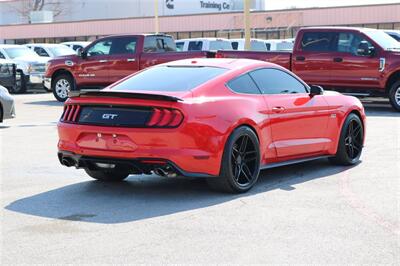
[310, 213]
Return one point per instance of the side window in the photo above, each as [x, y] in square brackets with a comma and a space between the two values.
[243, 84]
[41, 52]
[179, 46]
[123, 45]
[156, 44]
[235, 45]
[195, 46]
[354, 44]
[319, 41]
[275, 81]
[2, 56]
[100, 48]
[76, 47]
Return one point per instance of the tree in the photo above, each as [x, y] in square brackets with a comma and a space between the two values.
[24, 7]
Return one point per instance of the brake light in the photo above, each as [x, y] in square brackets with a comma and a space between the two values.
[70, 113]
[219, 55]
[163, 117]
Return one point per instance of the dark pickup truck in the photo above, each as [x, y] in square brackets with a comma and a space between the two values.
[110, 59]
[359, 61]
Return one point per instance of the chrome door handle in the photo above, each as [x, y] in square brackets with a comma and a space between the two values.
[131, 59]
[103, 61]
[278, 109]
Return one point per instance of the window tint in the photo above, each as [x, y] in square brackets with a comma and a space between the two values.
[243, 84]
[235, 45]
[100, 48]
[220, 45]
[123, 45]
[179, 46]
[350, 43]
[2, 56]
[195, 46]
[395, 36]
[156, 44]
[275, 81]
[169, 78]
[41, 52]
[318, 41]
[268, 46]
[76, 47]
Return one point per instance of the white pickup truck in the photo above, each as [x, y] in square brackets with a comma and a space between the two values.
[203, 44]
[30, 66]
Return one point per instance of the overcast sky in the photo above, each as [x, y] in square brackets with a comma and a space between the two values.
[282, 4]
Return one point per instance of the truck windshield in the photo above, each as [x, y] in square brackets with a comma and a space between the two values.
[61, 50]
[383, 39]
[20, 52]
[220, 45]
[169, 78]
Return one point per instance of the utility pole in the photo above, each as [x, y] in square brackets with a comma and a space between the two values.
[156, 21]
[247, 33]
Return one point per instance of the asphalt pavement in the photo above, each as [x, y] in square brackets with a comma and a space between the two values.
[310, 213]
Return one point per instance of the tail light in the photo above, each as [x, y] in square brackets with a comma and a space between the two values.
[219, 55]
[163, 117]
[70, 113]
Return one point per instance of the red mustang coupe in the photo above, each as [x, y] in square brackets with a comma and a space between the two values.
[223, 119]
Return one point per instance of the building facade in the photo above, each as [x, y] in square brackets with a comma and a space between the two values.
[227, 24]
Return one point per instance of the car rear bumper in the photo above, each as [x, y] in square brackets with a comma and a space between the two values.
[182, 149]
[8, 107]
[36, 78]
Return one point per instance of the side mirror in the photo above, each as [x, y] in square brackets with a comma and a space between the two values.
[81, 53]
[365, 50]
[316, 90]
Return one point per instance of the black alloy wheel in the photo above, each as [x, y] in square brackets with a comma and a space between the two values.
[350, 142]
[240, 164]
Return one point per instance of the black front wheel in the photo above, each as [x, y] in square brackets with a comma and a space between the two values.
[20, 85]
[240, 166]
[351, 141]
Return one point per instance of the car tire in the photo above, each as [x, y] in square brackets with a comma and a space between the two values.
[113, 175]
[20, 86]
[61, 86]
[240, 164]
[394, 96]
[350, 142]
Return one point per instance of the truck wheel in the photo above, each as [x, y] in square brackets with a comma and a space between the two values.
[113, 175]
[20, 86]
[240, 164]
[394, 96]
[350, 142]
[61, 86]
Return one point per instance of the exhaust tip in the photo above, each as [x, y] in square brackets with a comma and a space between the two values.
[68, 162]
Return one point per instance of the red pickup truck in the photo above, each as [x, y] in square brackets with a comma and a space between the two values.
[359, 61]
[110, 59]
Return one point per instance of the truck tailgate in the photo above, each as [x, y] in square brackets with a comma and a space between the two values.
[283, 59]
[150, 59]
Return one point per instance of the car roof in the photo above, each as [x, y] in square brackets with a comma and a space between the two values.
[11, 46]
[45, 44]
[202, 39]
[340, 28]
[228, 63]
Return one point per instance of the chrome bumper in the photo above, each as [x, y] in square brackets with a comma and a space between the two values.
[36, 78]
[47, 83]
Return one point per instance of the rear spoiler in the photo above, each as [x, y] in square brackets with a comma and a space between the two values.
[118, 94]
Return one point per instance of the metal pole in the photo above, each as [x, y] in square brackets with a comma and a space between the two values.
[156, 21]
[247, 33]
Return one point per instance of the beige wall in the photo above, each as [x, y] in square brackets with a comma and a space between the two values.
[229, 21]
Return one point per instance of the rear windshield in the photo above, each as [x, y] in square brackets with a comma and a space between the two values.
[170, 78]
[220, 45]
